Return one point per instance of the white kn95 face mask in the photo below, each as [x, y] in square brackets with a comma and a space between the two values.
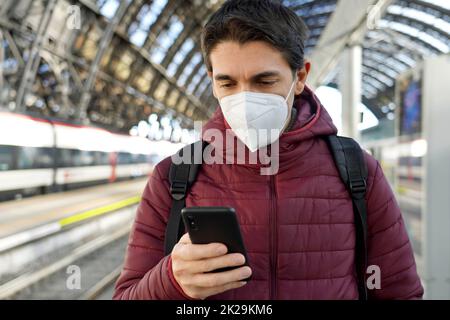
[257, 119]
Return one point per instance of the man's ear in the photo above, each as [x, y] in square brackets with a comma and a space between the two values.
[302, 75]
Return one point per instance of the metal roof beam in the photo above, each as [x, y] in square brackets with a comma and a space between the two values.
[104, 43]
[419, 25]
[425, 7]
[348, 25]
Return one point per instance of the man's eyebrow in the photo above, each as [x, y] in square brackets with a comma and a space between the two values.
[265, 74]
[222, 77]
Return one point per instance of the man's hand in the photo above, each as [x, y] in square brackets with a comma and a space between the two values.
[190, 262]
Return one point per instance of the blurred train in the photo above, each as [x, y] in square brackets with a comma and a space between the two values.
[38, 156]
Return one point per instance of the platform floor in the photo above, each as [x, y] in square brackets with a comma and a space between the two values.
[21, 215]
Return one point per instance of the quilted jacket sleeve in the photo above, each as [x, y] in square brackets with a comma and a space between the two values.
[389, 247]
[147, 273]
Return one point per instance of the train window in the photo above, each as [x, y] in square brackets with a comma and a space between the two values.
[108, 158]
[101, 158]
[6, 158]
[65, 158]
[134, 158]
[124, 158]
[44, 158]
[83, 158]
[26, 158]
[97, 158]
[104, 158]
[142, 158]
[34, 158]
[137, 158]
[76, 158]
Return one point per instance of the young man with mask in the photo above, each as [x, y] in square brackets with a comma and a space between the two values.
[297, 224]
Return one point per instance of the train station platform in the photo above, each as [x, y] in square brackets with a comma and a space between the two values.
[42, 236]
[26, 219]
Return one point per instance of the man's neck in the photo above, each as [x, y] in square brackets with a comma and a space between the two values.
[292, 120]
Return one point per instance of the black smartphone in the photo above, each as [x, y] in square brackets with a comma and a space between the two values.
[215, 224]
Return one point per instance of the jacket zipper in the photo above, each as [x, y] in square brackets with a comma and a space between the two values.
[273, 240]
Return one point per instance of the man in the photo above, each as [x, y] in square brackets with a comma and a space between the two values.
[298, 223]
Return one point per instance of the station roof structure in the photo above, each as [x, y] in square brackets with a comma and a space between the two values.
[124, 60]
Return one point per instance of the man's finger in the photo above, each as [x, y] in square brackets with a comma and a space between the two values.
[189, 252]
[219, 279]
[228, 260]
[185, 239]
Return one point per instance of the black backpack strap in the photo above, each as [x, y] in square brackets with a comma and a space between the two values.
[352, 168]
[181, 177]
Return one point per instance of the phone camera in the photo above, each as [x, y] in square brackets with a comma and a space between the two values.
[192, 223]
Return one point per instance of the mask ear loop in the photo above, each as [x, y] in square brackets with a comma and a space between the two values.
[290, 91]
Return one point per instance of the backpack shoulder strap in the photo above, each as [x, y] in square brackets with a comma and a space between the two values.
[349, 160]
[182, 175]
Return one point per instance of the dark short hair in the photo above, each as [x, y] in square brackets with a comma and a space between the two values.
[257, 20]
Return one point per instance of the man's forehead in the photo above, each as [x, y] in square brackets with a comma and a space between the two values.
[246, 60]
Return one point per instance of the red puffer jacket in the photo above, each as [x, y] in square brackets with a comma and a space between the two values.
[298, 225]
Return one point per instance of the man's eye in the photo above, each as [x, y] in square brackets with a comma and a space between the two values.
[226, 85]
[267, 83]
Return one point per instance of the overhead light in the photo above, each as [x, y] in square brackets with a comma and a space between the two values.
[153, 118]
[385, 109]
[134, 131]
[419, 148]
[143, 129]
[391, 116]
